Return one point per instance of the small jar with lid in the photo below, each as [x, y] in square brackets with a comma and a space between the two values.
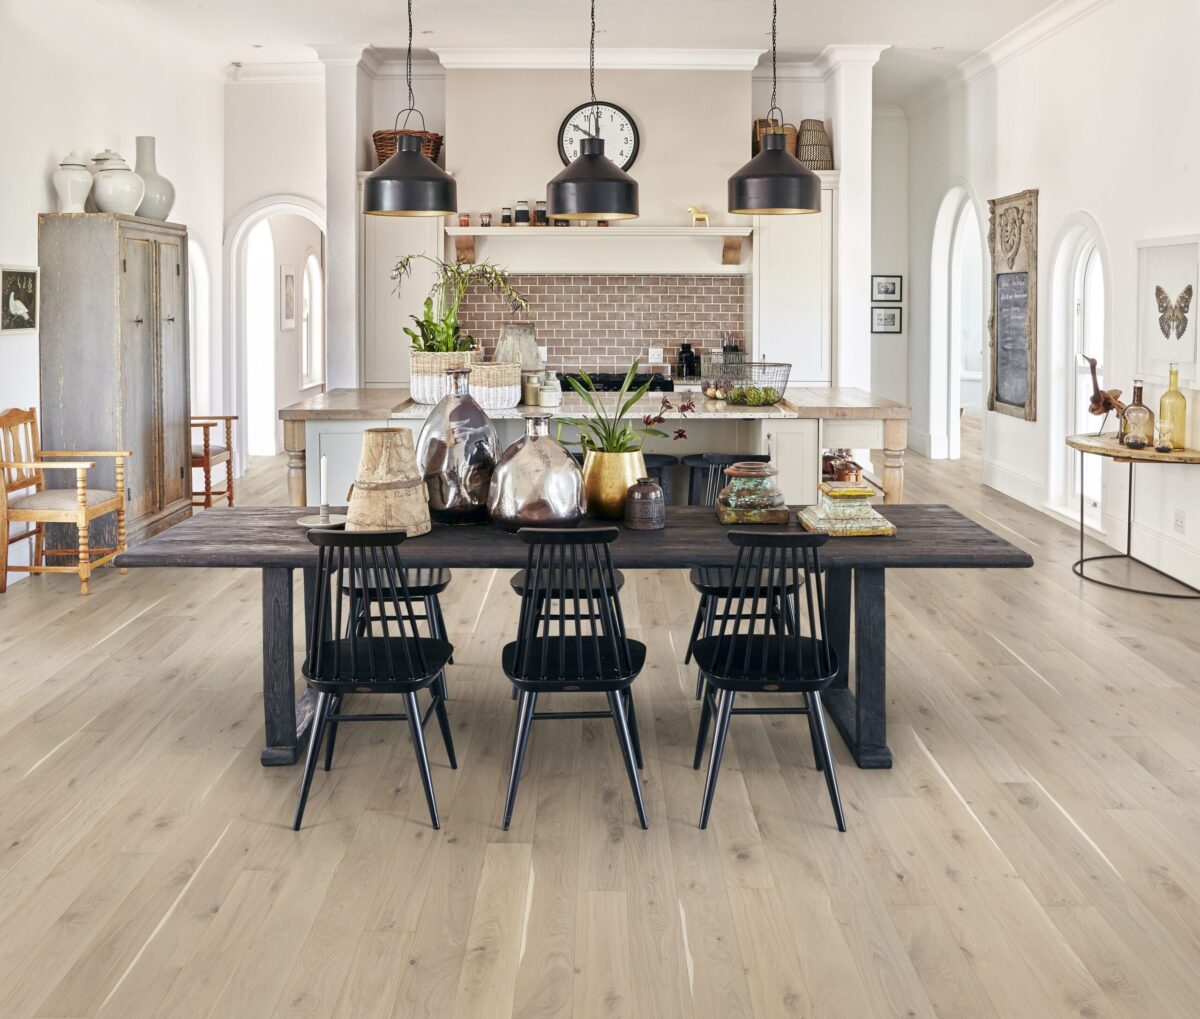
[464, 219]
[551, 393]
[485, 219]
[506, 216]
[521, 218]
[645, 506]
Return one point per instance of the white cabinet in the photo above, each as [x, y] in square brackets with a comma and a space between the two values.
[794, 447]
[384, 312]
[794, 290]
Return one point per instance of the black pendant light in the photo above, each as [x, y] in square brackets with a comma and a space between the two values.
[774, 183]
[409, 183]
[592, 186]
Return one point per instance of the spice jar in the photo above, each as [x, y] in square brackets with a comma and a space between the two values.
[464, 219]
[522, 214]
[506, 216]
[485, 219]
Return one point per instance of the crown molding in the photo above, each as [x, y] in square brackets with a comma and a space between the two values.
[341, 54]
[790, 70]
[1038, 29]
[836, 55]
[387, 64]
[570, 58]
[886, 112]
[274, 74]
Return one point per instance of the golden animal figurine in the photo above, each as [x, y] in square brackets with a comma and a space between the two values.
[698, 215]
[1103, 401]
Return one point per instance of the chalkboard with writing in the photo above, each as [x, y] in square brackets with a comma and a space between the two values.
[1012, 343]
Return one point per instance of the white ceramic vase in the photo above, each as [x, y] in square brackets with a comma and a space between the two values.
[73, 183]
[160, 192]
[116, 188]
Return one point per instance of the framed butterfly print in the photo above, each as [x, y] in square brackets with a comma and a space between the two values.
[1168, 297]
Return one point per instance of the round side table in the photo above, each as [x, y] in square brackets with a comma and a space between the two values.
[1107, 445]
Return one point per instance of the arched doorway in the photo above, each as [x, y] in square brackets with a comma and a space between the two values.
[957, 304]
[235, 377]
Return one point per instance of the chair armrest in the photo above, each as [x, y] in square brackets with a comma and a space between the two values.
[70, 465]
[206, 425]
[87, 452]
[214, 418]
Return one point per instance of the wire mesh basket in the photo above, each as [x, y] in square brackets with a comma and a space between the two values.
[743, 383]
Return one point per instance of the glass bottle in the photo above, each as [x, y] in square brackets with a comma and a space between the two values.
[687, 362]
[1172, 414]
[1137, 421]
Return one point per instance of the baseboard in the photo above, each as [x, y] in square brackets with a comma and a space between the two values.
[1022, 487]
[1165, 552]
[932, 447]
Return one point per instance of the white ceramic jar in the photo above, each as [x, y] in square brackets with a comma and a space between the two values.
[73, 183]
[116, 188]
[160, 192]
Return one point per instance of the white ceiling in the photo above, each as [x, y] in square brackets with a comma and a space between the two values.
[927, 37]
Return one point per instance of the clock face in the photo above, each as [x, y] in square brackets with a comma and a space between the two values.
[617, 128]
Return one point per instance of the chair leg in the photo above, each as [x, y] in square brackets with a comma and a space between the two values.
[631, 715]
[335, 708]
[520, 741]
[813, 734]
[617, 706]
[413, 709]
[724, 712]
[310, 762]
[39, 545]
[439, 707]
[710, 627]
[85, 570]
[830, 779]
[696, 624]
[702, 731]
[229, 478]
[207, 484]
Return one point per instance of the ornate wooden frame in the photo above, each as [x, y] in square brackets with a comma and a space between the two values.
[1012, 244]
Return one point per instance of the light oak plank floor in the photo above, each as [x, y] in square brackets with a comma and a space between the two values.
[1031, 854]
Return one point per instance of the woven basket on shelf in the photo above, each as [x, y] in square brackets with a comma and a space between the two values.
[814, 148]
[764, 126]
[386, 142]
[496, 385]
[428, 382]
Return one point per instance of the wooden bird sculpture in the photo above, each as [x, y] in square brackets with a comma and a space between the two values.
[1103, 401]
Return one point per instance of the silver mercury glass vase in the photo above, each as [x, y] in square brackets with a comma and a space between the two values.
[537, 483]
[456, 453]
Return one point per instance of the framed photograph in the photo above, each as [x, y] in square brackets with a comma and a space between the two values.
[887, 288]
[887, 320]
[1012, 324]
[18, 298]
[287, 297]
[1168, 278]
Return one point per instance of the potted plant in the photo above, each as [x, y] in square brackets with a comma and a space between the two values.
[612, 446]
[438, 341]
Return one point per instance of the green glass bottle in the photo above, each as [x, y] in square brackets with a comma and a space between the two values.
[1172, 414]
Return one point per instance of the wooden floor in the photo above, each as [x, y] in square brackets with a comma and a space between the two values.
[1032, 854]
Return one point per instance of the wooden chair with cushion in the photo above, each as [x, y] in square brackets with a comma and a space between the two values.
[25, 499]
[206, 454]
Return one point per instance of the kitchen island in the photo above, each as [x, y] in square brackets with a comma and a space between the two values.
[794, 432]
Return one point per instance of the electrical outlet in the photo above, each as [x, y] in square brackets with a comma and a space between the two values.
[1180, 522]
[654, 355]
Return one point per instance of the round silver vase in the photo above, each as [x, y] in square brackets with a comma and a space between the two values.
[537, 483]
[456, 454]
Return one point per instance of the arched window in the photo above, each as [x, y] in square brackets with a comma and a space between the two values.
[312, 325]
[1087, 340]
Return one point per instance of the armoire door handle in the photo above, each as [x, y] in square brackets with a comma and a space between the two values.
[171, 319]
[137, 321]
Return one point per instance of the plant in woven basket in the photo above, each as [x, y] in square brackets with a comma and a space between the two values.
[437, 328]
[611, 432]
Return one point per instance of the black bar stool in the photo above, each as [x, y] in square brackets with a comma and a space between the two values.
[658, 466]
[571, 638]
[760, 649]
[706, 475]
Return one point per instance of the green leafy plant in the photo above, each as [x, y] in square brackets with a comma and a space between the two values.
[611, 432]
[437, 328]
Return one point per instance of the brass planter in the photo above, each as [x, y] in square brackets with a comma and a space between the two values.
[606, 479]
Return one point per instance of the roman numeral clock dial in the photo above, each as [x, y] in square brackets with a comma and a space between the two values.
[617, 128]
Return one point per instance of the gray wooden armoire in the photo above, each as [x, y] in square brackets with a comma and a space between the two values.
[114, 359]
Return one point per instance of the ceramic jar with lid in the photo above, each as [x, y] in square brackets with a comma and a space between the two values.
[115, 187]
[73, 183]
[551, 392]
[645, 506]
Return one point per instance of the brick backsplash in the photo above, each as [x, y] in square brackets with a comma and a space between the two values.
[605, 321]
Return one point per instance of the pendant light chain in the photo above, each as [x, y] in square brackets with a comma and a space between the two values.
[592, 71]
[774, 74]
[412, 102]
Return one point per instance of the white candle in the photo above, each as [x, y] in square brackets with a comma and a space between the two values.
[324, 480]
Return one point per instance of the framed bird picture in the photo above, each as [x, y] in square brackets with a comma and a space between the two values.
[18, 299]
[1168, 297]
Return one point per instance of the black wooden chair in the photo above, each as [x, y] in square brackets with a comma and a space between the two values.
[759, 649]
[352, 650]
[571, 638]
[425, 585]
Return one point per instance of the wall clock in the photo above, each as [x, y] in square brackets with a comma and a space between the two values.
[617, 128]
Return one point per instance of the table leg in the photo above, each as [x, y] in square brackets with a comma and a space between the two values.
[286, 721]
[861, 715]
[297, 479]
[838, 587]
[895, 441]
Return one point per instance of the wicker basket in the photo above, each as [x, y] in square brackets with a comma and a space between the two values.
[814, 147]
[386, 142]
[496, 385]
[764, 126]
[428, 382]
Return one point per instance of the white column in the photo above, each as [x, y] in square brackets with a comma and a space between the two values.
[849, 73]
[347, 141]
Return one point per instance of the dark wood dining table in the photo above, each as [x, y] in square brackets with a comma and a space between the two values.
[269, 539]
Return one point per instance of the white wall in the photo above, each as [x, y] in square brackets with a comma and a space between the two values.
[92, 76]
[889, 244]
[295, 239]
[1100, 125]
